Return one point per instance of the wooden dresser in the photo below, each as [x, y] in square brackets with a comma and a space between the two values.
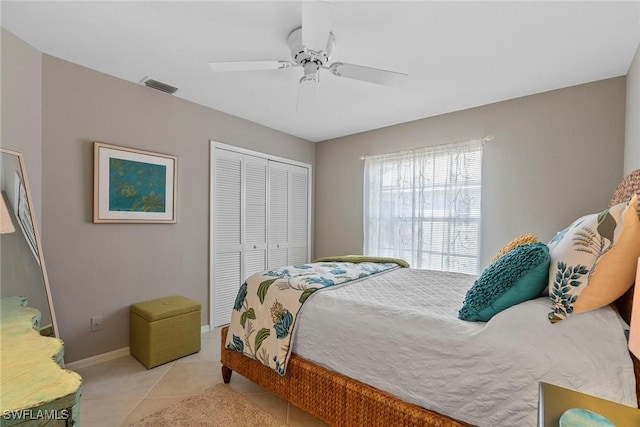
[34, 388]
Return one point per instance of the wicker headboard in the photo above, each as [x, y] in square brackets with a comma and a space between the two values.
[629, 186]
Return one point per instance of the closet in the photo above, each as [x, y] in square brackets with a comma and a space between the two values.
[260, 219]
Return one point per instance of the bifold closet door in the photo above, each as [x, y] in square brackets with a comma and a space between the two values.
[278, 215]
[227, 232]
[298, 215]
[259, 220]
[255, 215]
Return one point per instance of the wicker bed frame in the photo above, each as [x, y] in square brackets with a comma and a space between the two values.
[342, 401]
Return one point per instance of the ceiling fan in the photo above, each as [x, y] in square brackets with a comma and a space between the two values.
[311, 47]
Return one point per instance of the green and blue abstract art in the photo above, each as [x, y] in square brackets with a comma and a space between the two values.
[137, 186]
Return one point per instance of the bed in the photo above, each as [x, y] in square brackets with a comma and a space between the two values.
[351, 399]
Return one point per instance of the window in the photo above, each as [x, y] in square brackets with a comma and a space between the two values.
[423, 206]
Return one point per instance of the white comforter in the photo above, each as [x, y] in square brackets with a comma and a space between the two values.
[399, 332]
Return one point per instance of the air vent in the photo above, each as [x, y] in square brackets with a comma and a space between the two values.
[154, 84]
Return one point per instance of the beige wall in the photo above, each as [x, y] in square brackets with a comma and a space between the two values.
[632, 137]
[21, 93]
[100, 269]
[555, 156]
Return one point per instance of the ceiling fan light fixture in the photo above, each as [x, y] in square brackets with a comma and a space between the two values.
[307, 93]
[311, 71]
[315, 78]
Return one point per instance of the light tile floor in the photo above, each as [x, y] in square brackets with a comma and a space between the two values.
[121, 391]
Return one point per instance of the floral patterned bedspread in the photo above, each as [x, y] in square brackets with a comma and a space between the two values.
[267, 305]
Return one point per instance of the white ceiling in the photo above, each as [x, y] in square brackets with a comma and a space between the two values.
[457, 54]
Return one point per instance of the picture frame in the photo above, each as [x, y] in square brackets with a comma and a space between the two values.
[133, 186]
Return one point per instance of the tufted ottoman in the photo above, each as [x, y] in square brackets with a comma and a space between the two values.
[164, 329]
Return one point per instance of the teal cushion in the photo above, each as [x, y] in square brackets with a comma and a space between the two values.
[519, 275]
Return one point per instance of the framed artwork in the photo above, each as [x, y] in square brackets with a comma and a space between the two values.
[133, 186]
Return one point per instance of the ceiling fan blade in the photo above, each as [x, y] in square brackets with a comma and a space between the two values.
[317, 20]
[248, 65]
[367, 74]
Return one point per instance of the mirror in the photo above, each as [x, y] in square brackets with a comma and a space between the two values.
[22, 269]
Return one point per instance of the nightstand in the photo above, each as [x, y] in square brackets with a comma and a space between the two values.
[553, 401]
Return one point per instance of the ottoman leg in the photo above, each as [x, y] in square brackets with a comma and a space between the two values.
[226, 374]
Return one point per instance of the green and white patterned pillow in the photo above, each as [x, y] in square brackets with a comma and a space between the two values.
[593, 260]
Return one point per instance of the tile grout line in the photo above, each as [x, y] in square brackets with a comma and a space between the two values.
[149, 391]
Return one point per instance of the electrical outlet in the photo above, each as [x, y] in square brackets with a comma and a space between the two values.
[96, 323]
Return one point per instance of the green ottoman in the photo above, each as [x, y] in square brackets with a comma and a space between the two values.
[164, 329]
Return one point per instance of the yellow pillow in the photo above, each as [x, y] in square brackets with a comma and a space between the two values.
[518, 241]
[615, 271]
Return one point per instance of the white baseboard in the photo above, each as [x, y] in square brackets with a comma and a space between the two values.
[110, 355]
[94, 360]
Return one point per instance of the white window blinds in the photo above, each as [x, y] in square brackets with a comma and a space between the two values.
[423, 206]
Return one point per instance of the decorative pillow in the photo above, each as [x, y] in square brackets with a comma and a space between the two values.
[518, 241]
[517, 276]
[593, 261]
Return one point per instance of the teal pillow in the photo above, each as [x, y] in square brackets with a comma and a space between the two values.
[519, 275]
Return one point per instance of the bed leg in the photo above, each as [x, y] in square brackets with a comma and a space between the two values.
[226, 374]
